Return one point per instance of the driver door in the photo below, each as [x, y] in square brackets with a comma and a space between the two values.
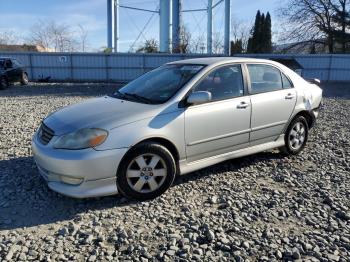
[223, 124]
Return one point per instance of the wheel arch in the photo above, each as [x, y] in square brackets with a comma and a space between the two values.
[308, 115]
[4, 76]
[162, 141]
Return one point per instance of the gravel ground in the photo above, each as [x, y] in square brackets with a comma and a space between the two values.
[262, 207]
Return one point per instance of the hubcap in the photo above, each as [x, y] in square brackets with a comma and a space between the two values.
[297, 136]
[146, 173]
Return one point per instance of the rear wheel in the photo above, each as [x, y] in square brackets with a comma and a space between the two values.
[296, 136]
[24, 79]
[146, 172]
[3, 83]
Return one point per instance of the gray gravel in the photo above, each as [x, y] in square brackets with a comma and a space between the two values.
[263, 207]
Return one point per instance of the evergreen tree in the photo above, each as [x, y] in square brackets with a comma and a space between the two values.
[261, 39]
[267, 35]
[250, 45]
[236, 47]
[256, 33]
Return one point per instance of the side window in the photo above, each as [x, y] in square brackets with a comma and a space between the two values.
[16, 63]
[286, 82]
[264, 78]
[223, 83]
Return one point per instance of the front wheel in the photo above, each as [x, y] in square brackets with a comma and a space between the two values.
[296, 136]
[24, 79]
[146, 172]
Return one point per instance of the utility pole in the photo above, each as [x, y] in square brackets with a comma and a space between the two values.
[227, 27]
[116, 26]
[109, 24]
[210, 27]
[176, 9]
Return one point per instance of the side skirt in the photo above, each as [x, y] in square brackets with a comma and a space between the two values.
[186, 167]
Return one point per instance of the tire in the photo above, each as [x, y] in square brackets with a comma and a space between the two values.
[3, 83]
[146, 172]
[296, 136]
[24, 79]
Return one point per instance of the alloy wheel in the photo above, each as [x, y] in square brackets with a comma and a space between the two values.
[297, 136]
[146, 173]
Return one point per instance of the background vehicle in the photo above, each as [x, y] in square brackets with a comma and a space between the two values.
[11, 71]
[179, 118]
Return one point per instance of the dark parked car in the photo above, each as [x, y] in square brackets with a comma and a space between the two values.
[11, 71]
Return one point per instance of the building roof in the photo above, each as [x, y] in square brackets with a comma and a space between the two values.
[23, 48]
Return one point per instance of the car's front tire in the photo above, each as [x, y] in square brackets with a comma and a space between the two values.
[24, 79]
[3, 83]
[296, 136]
[146, 171]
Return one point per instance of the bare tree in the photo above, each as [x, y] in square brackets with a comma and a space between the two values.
[240, 31]
[197, 44]
[341, 22]
[53, 36]
[149, 46]
[185, 41]
[218, 43]
[83, 36]
[8, 38]
[308, 20]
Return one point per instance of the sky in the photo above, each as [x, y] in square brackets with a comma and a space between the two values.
[19, 16]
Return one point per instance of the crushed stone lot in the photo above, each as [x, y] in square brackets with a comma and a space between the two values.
[262, 207]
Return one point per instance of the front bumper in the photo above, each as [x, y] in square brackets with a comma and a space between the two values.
[96, 169]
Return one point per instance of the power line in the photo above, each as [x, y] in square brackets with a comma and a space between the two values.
[143, 29]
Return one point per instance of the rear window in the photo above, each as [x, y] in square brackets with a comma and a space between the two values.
[264, 78]
[16, 63]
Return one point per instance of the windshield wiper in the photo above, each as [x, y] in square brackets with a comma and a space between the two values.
[138, 97]
[119, 95]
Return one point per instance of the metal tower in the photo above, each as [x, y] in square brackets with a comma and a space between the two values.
[165, 6]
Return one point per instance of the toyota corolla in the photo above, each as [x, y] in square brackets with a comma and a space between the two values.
[178, 118]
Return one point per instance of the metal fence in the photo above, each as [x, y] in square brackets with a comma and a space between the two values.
[327, 67]
[125, 67]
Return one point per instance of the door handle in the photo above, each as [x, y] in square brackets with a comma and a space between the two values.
[243, 105]
[289, 96]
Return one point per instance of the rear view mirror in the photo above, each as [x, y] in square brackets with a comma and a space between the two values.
[199, 97]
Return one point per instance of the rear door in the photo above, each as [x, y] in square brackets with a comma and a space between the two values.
[223, 124]
[273, 100]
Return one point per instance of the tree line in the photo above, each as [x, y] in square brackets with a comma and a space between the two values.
[51, 36]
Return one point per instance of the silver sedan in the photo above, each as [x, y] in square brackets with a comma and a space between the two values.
[176, 119]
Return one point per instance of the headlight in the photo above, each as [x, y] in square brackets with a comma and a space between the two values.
[83, 138]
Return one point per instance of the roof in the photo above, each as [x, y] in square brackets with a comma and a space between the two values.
[217, 60]
[21, 48]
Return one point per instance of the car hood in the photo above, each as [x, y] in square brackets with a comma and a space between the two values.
[104, 112]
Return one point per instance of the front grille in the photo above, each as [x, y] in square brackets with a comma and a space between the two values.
[45, 134]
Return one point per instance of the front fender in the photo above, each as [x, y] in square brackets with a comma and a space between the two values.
[168, 126]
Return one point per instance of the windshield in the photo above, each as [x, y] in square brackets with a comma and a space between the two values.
[159, 85]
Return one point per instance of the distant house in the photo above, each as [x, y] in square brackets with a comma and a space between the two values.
[23, 48]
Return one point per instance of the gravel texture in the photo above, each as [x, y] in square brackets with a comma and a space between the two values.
[262, 207]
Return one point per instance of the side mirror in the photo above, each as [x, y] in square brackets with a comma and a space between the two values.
[199, 97]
